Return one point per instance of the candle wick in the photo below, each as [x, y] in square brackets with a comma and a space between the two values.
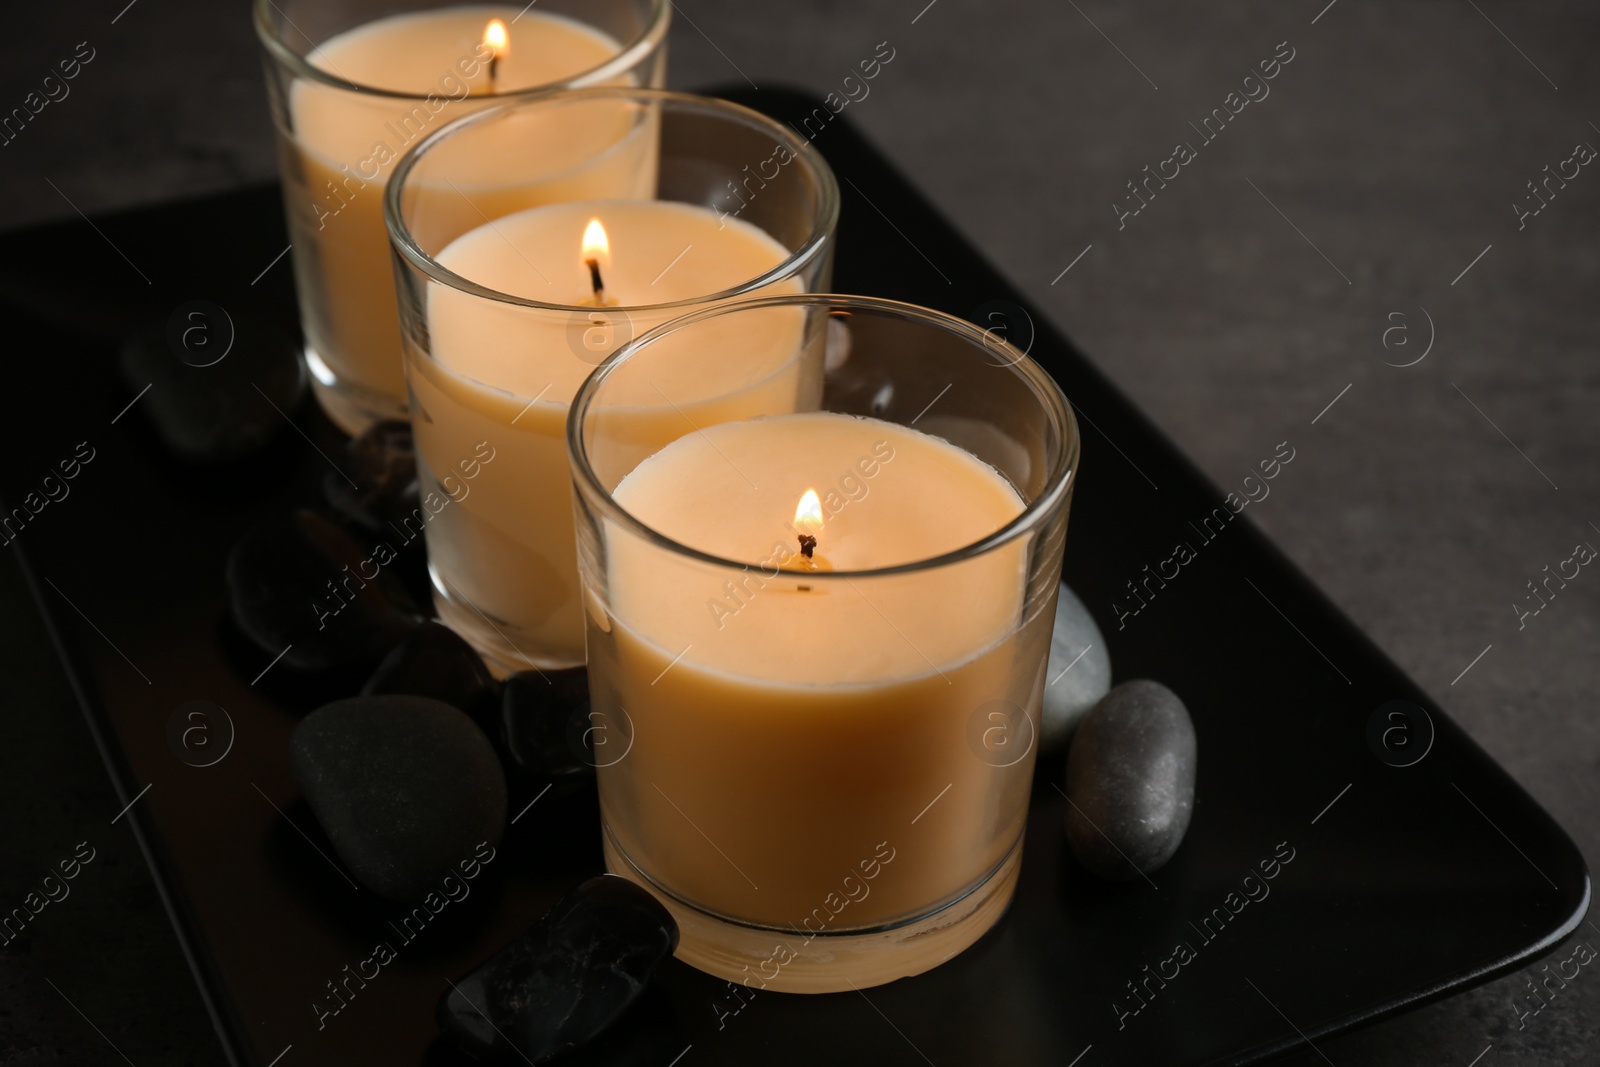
[595, 282]
[494, 67]
[808, 545]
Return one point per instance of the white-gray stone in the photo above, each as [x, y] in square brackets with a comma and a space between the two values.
[1078, 675]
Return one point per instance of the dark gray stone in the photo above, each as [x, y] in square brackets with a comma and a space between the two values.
[382, 463]
[1130, 781]
[405, 787]
[567, 979]
[545, 717]
[434, 661]
[1078, 675]
[297, 583]
[222, 412]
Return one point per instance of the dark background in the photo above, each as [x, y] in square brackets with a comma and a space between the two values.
[1397, 140]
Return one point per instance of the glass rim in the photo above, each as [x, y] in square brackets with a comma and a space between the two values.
[1058, 480]
[815, 245]
[632, 53]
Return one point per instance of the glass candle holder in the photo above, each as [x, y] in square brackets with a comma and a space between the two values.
[818, 635]
[505, 309]
[354, 84]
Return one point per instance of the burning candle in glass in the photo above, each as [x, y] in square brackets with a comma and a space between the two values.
[366, 85]
[508, 316]
[804, 628]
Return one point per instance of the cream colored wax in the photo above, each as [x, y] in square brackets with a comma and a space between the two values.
[506, 374]
[344, 143]
[790, 729]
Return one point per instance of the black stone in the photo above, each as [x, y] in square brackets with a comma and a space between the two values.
[545, 716]
[297, 583]
[382, 463]
[567, 979]
[407, 789]
[433, 661]
[225, 411]
[1130, 780]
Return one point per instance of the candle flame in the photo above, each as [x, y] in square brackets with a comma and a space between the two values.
[497, 38]
[808, 516]
[595, 245]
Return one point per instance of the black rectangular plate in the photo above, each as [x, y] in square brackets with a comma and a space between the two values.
[1417, 882]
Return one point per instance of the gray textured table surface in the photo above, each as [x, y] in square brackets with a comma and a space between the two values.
[1248, 295]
